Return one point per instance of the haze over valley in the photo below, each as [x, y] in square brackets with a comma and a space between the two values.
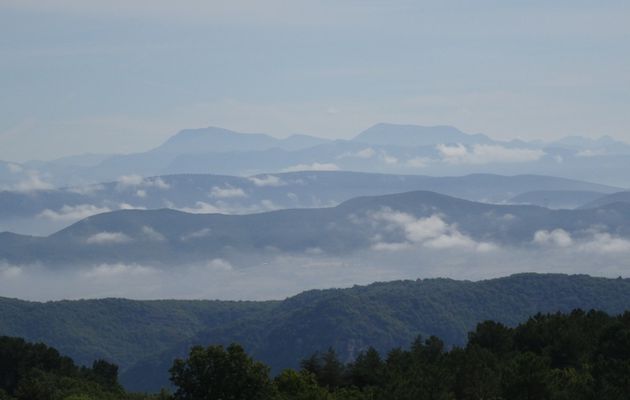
[274, 234]
[330, 200]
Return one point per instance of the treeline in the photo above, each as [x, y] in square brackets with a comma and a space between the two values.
[37, 372]
[580, 355]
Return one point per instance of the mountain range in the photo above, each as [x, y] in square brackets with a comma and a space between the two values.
[42, 212]
[419, 219]
[384, 148]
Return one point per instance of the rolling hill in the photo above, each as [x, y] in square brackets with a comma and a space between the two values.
[144, 336]
[621, 197]
[45, 211]
[417, 218]
[557, 198]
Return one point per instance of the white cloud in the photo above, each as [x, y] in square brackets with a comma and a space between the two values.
[129, 180]
[267, 205]
[219, 264]
[366, 153]
[606, 243]
[197, 234]
[32, 182]
[116, 270]
[486, 153]
[312, 167]
[391, 160]
[201, 207]
[595, 242]
[556, 237]
[70, 213]
[418, 162]
[398, 246]
[432, 232]
[157, 183]
[86, 190]
[108, 237]
[314, 251]
[266, 180]
[126, 206]
[227, 192]
[590, 153]
[10, 271]
[15, 168]
[141, 193]
[152, 234]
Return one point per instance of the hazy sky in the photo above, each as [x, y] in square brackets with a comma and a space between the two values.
[120, 76]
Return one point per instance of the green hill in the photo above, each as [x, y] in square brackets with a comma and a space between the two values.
[143, 337]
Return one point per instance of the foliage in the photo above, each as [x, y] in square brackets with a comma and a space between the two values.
[577, 356]
[215, 373]
[37, 372]
[143, 337]
[573, 356]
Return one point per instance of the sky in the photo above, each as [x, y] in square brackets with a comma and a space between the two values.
[122, 76]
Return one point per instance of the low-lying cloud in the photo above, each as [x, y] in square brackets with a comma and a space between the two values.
[131, 181]
[312, 167]
[365, 154]
[32, 181]
[486, 154]
[556, 237]
[431, 232]
[227, 192]
[266, 180]
[73, 213]
[273, 275]
[108, 238]
[591, 241]
[68, 213]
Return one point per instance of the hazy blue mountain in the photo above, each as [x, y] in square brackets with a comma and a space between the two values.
[79, 160]
[45, 211]
[556, 198]
[621, 197]
[143, 337]
[173, 237]
[218, 140]
[590, 146]
[383, 148]
[206, 143]
[416, 135]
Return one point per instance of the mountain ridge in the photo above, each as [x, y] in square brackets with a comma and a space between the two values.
[143, 337]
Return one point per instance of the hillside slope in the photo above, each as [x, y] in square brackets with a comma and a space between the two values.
[144, 336]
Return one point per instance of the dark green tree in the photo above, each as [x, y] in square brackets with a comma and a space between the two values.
[218, 373]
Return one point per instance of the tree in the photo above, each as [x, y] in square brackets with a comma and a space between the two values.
[367, 369]
[298, 386]
[217, 373]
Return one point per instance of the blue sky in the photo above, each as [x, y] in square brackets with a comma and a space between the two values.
[122, 76]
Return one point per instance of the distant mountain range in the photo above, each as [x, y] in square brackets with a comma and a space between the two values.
[143, 337]
[621, 197]
[412, 219]
[383, 148]
[42, 212]
[558, 199]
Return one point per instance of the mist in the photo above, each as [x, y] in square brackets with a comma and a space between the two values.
[266, 276]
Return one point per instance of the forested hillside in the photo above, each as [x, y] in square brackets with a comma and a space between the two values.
[144, 336]
[578, 355]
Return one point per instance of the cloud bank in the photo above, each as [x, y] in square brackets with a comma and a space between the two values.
[486, 154]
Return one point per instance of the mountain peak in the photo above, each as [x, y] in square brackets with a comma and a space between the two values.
[417, 135]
